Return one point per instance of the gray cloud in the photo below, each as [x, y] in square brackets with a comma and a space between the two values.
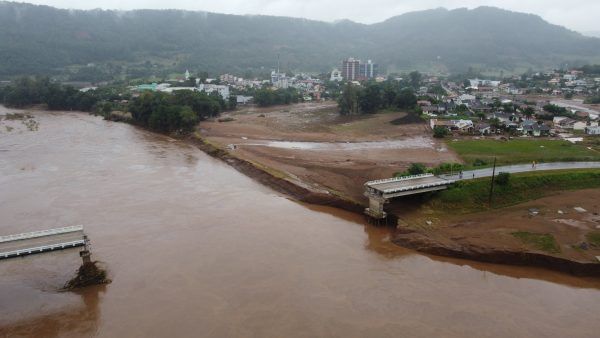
[580, 15]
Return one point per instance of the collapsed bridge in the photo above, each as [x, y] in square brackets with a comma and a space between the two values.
[380, 192]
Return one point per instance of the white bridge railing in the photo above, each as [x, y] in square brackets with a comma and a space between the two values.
[418, 187]
[398, 179]
[43, 233]
[43, 248]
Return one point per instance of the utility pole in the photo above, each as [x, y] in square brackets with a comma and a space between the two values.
[492, 183]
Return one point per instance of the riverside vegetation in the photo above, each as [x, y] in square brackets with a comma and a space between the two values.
[176, 113]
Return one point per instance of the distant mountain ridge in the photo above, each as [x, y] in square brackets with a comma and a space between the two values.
[42, 39]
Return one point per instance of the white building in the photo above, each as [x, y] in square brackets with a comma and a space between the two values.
[209, 88]
[279, 80]
[244, 99]
[336, 75]
[476, 83]
[579, 125]
[592, 130]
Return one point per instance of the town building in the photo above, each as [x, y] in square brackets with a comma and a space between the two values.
[336, 75]
[209, 88]
[279, 80]
[351, 69]
[368, 70]
[592, 130]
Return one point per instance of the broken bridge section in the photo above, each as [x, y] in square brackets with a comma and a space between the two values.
[381, 191]
[41, 241]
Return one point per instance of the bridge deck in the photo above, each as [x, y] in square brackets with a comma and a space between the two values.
[407, 183]
[41, 241]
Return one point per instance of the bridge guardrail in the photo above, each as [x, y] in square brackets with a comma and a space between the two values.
[420, 186]
[398, 179]
[50, 247]
[42, 233]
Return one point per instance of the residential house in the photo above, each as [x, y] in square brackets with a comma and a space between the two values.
[592, 130]
[557, 119]
[482, 129]
[566, 123]
[462, 126]
[579, 125]
[533, 128]
[506, 119]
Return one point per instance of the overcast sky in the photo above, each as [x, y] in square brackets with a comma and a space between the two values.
[580, 15]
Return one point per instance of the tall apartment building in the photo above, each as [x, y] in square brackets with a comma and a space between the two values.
[351, 69]
[368, 70]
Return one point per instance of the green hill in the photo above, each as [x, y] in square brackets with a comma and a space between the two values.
[46, 40]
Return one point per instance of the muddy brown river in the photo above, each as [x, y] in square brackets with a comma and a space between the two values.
[196, 249]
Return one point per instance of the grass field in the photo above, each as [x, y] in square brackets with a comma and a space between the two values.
[472, 196]
[521, 151]
[544, 242]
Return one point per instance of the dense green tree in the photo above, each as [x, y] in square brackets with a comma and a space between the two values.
[529, 112]
[348, 100]
[406, 99]
[439, 132]
[416, 169]
[375, 96]
[265, 97]
[170, 113]
[415, 79]
[370, 99]
[556, 110]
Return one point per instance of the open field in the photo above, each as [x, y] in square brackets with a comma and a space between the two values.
[521, 151]
[312, 145]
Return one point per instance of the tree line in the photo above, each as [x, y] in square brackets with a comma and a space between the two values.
[28, 91]
[265, 97]
[373, 97]
[177, 112]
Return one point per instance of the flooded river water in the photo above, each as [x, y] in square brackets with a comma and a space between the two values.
[196, 249]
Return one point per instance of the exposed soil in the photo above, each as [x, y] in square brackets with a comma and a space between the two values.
[489, 236]
[386, 148]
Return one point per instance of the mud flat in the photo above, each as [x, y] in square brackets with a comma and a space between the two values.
[313, 144]
[560, 232]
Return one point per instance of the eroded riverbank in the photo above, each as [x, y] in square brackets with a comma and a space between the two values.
[194, 248]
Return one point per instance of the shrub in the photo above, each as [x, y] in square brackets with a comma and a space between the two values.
[416, 169]
[446, 168]
[439, 132]
[479, 162]
[503, 178]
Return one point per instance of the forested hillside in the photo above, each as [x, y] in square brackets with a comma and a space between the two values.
[45, 40]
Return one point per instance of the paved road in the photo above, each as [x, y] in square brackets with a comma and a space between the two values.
[521, 168]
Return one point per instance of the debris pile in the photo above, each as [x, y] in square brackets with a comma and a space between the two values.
[88, 274]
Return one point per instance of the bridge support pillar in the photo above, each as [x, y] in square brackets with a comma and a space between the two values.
[375, 209]
[85, 254]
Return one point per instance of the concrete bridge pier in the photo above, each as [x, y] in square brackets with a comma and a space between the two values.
[375, 209]
[86, 254]
[380, 192]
